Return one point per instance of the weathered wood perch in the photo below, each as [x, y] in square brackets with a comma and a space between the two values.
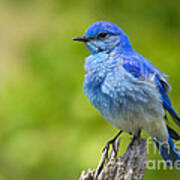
[131, 166]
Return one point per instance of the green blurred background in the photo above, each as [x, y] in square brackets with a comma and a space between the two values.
[48, 130]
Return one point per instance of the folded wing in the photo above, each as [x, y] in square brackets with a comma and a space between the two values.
[145, 71]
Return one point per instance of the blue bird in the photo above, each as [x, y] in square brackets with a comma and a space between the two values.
[127, 89]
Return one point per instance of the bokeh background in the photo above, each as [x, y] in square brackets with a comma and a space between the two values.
[48, 130]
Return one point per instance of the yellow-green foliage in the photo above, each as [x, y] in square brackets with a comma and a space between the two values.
[47, 128]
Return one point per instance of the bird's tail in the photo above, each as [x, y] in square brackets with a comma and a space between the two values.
[168, 152]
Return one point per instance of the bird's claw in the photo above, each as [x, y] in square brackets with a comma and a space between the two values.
[112, 141]
[106, 148]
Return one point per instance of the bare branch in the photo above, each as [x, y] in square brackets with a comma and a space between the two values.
[131, 166]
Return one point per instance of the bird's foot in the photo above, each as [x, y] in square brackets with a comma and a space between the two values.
[135, 137]
[111, 142]
[105, 153]
[106, 148]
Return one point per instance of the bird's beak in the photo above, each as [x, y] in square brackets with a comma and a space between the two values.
[81, 38]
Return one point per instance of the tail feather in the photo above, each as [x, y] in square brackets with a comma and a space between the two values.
[168, 152]
[172, 112]
[174, 135]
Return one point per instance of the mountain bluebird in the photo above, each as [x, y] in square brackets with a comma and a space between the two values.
[127, 89]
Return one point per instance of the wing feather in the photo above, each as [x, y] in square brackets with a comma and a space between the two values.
[145, 71]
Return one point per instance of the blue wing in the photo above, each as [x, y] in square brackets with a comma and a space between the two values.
[142, 69]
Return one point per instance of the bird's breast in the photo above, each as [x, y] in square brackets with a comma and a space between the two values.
[122, 98]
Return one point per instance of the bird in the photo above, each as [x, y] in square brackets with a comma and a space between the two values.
[127, 89]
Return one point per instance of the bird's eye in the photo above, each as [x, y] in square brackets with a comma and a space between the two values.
[102, 35]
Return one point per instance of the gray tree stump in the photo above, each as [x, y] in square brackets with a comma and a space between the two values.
[131, 166]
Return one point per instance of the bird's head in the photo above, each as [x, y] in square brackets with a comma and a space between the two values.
[104, 36]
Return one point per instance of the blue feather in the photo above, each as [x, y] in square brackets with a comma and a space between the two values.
[168, 152]
[167, 104]
[128, 90]
[144, 71]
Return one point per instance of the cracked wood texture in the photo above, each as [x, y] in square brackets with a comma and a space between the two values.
[130, 166]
